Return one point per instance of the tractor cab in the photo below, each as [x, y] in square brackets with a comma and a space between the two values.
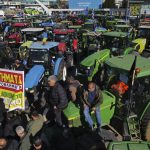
[43, 60]
[89, 25]
[128, 78]
[30, 33]
[15, 37]
[66, 37]
[115, 41]
[144, 32]
[40, 53]
[92, 41]
[123, 28]
[76, 20]
[68, 43]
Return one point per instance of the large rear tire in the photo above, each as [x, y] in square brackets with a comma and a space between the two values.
[145, 124]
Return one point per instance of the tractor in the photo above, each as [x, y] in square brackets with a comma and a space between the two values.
[144, 32]
[43, 60]
[129, 82]
[15, 38]
[68, 43]
[119, 43]
[126, 93]
[30, 33]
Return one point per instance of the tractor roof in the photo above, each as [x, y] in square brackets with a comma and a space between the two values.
[40, 45]
[20, 24]
[32, 30]
[63, 31]
[124, 63]
[115, 34]
[99, 56]
[122, 26]
[75, 27]
[144, 27]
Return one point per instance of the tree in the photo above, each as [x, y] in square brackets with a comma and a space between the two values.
[109, 4]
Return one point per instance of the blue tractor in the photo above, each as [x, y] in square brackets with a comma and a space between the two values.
[43, 60]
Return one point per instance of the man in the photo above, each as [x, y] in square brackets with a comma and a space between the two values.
[24, 138]
[74, 87]
[8, 144]
[58, 99]
[36, 124]
[38, 144]
[92, 98]
[18, 65]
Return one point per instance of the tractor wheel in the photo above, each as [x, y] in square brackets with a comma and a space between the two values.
[62, 72]
[145, 124]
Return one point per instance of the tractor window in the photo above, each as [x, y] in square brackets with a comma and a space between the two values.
[39, 56]
[141, 92]
[61, 37]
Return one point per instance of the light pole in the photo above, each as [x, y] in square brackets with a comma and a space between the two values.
[127, 10]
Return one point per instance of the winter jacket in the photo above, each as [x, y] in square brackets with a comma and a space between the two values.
[11, 145]
[97, 100]
[58, 97]
[35, 126]
[25, 143]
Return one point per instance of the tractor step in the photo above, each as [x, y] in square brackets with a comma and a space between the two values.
[134, 127]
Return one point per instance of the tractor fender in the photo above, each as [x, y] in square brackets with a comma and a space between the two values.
[33, 76]
[60, 62]
[57, 65]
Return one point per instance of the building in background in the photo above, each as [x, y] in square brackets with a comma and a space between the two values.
[80, 4]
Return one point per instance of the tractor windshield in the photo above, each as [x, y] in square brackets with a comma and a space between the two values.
[37, 56]
[61, 37]
[116, 44]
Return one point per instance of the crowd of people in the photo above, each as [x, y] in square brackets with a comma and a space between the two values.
[43, 127]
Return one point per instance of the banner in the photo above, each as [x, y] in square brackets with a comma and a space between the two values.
[135, 9]
[83, 4]
[12, 89]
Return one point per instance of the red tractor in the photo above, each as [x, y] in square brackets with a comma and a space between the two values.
[75, 20]
[15, 37]
[68, 43]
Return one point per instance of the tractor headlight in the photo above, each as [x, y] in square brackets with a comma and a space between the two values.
[89, 71]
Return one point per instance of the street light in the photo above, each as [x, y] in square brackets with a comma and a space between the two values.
[127, 10]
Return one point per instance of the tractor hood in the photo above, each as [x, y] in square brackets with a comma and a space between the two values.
[33, 76]
[100, 56]
[124, 63]
[128, 145]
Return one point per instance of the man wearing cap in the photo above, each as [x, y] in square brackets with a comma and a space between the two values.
[24, 138]
[57, 98]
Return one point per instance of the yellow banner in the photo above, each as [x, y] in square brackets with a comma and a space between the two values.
[12, 89]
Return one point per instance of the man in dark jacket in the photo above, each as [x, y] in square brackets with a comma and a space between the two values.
[58, 98]
[8, 144]
[92, 98]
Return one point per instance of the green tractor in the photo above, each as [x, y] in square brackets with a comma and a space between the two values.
[92, 65]
[120, 44]
[131, 108]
